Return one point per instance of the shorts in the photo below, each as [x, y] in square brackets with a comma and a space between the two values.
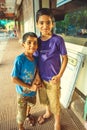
[50, 95]
[22, 103]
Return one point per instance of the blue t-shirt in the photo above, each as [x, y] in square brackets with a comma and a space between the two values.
[24, 69]
[49, 53]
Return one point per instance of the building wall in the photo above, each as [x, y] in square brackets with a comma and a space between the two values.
[20, 26]
[29, 9]
[45, 4]
[28, 14]
[36, 7]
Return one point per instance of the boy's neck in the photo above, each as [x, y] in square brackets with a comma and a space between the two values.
[46, 37]
[29, 56]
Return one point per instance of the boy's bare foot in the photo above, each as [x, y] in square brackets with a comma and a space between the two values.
[47, 115]
[43, 118]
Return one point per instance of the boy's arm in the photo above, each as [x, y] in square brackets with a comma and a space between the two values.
[63, 65]
[37, 79]
[62, 69]
[21, 83]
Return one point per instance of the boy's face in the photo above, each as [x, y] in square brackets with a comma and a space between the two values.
[30, 45]
[45, 25]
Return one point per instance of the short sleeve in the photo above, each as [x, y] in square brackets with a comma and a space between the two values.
[63, 50]
[16, 68]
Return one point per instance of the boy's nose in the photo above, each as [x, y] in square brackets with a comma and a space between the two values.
[32, 45]
[44, 25]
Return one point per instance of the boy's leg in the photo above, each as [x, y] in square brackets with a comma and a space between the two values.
[53, 93]
[31, 101]
[45, 116]
[57, 122]
[28, 110]
[47, 113]
[44, 100]
[21, 114]
[20, 126]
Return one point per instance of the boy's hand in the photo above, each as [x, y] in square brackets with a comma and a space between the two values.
[33, 87]
[38, 84]
[55, 79]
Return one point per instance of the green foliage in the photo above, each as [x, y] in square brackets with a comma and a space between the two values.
[77, 19]
[3, 23]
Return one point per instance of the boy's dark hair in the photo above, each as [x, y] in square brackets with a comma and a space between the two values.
[44, 11]
[26, 35]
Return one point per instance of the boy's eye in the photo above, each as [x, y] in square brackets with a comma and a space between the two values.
[41, 23]
[28, 43]
[35, 43]
[47, 22]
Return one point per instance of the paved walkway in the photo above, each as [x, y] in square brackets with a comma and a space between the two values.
[8, 98]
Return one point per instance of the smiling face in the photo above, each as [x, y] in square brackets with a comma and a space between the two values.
[45, 25]
[30, 45]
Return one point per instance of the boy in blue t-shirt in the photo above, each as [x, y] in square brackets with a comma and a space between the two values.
[23, 74]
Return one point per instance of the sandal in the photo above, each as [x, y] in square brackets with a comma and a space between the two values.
[42, 119]
[30, 118]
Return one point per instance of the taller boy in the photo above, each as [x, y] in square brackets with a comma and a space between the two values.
[51, 69]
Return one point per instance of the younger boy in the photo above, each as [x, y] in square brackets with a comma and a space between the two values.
[23, 74]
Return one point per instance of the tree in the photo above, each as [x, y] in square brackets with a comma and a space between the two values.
[77, 19]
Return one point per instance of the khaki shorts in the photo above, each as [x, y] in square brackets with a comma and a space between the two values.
[22, 103]
[50, 95]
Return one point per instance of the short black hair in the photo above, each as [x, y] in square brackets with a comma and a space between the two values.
[26, 35]
[44, 11]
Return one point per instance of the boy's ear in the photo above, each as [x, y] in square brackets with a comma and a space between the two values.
[53, 24]
[22, 44]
